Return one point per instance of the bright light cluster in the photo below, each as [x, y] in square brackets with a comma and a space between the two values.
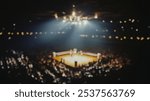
[76, 18]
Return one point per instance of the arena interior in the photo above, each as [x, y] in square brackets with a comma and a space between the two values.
[74, 42]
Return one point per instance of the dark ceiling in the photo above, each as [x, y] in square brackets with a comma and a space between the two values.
[14, 8]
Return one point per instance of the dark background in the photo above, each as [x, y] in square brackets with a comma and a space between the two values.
[21, 8]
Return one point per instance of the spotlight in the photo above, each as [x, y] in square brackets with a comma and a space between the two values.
[131, 38]
[117, 37]
[73, 6]
[96, 16]
[1, 33]
[56, 16]
[74, 14]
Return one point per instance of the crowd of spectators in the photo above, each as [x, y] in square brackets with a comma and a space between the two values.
[45, 69]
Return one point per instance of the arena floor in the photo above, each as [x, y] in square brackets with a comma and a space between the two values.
[81, 59]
